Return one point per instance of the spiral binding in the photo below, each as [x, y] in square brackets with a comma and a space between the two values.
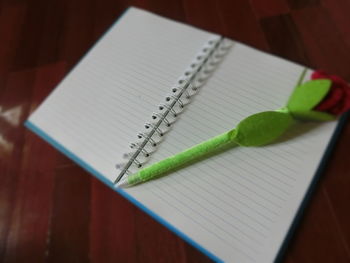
[188, 85]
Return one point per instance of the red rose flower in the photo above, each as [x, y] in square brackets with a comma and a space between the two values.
[337, 101]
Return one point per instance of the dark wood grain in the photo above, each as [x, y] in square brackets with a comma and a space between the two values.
[53, 211]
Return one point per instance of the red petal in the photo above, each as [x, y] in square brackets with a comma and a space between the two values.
[337, 100]
[346, 100]
[337, 109]
[319, 74]
[331, 100]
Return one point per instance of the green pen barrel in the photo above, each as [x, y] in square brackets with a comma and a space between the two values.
[180, 160]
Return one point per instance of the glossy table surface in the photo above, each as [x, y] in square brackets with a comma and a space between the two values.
[53, 211]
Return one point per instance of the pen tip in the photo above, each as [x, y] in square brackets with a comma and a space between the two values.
[122, 183]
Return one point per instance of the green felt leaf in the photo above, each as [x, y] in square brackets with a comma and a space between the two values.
[262, 128]
[313, 115]
[306, 96]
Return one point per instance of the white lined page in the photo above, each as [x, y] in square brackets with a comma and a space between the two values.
[239, 204]
[99, 108]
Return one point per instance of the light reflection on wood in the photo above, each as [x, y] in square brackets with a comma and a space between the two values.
[12, 116]
[6, 147]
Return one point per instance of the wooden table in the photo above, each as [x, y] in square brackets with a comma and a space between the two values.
[51, 210]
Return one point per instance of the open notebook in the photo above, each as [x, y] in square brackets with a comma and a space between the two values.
[236, 207]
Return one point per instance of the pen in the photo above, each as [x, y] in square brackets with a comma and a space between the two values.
[256, 130]
[245, 134]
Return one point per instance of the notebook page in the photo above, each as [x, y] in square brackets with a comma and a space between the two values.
[239, 204]
[98, 109]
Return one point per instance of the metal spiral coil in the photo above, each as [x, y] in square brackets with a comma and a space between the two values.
[187, 86]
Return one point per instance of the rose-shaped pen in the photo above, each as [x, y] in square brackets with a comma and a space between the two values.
[306, 103]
